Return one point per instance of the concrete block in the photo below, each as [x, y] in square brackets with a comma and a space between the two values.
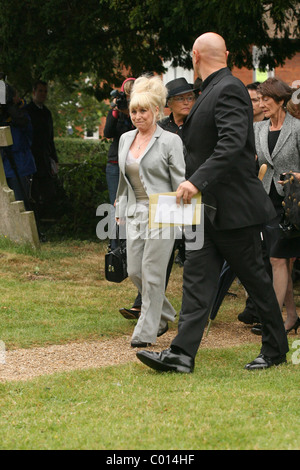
[16, 224]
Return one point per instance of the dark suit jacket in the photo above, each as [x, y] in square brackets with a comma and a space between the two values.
[43, 146]
[219, 139]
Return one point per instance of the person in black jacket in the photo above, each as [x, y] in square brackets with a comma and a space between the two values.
[220, 163]
[44, 152]
[180, 100]
[117, 122]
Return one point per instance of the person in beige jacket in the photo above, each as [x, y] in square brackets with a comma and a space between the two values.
[151, 161]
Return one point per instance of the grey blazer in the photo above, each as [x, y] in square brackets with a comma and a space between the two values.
[162, 168]
[286, 154]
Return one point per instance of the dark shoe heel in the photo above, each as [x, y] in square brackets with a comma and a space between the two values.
[294, 327]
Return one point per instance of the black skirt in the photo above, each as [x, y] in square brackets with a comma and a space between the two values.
[276, 245]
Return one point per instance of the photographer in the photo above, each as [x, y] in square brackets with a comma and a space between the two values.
[117, 122]
[18, 161]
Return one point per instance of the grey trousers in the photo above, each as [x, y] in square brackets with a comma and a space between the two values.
[148, 255]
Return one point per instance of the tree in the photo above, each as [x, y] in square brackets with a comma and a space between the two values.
[75, 108]
[61, 39]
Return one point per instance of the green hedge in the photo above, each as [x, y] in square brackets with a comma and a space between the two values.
[81, 186]
[73, 150]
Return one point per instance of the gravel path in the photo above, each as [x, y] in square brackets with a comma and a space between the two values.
[26, 364]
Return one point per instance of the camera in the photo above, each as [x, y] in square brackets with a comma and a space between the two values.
[121, 99]
[282, 176]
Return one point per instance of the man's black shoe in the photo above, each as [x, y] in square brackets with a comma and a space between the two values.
[167, 361]
[248, 318]
[257, 329]
[264, 362]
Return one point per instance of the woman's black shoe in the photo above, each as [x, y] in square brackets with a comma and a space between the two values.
[162, 331]
[138, 344]
[129, 313]
[294, 327]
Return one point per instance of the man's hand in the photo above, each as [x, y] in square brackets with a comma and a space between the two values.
[186, 191]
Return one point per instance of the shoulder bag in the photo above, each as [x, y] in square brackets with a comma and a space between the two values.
[290, 224]
[116, 262]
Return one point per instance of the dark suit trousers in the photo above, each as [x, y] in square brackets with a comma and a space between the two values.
[241, 248]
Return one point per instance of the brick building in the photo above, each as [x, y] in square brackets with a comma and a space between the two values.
[289, 73]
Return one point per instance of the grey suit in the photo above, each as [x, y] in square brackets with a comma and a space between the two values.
[161, 169]
[286, 154]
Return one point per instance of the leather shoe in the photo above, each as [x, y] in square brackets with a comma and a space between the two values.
[130, 314]
[257, 329]
[247, 317]
[139, 344]
[162, 331]
[264, 362]
[167, 361]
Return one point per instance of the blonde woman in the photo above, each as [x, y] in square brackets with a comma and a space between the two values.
[151, 161]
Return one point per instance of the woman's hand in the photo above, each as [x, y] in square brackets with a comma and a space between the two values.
[296, 175]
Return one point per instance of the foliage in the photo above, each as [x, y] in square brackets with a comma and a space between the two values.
[74, 108]
[77, 150]
[61, 39]
[85, 188]
[81, 187]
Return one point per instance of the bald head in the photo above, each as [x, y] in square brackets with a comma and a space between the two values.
[209, 54]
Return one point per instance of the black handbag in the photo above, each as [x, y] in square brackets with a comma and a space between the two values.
[116, 262]
[290, 224]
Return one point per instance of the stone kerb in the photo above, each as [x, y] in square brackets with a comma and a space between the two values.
[16, 224]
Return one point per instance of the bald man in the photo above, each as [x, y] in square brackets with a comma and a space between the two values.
[219, 139]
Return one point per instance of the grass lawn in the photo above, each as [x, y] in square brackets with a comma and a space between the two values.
[59, 295]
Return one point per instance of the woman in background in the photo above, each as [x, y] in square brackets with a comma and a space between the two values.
[277, 142]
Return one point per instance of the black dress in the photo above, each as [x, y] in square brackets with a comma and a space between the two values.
[276, 246]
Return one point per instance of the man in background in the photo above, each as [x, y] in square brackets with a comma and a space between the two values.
[44, 152]
[258, 115]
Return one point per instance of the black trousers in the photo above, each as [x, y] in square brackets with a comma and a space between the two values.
[241, 248]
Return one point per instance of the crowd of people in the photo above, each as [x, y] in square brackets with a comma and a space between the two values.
[218, 138]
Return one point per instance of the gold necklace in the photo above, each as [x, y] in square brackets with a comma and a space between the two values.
[142, 142]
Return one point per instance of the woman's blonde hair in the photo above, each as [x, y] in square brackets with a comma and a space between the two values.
[127, 85]
[149, 92]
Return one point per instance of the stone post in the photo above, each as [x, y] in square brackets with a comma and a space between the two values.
[16, 224]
